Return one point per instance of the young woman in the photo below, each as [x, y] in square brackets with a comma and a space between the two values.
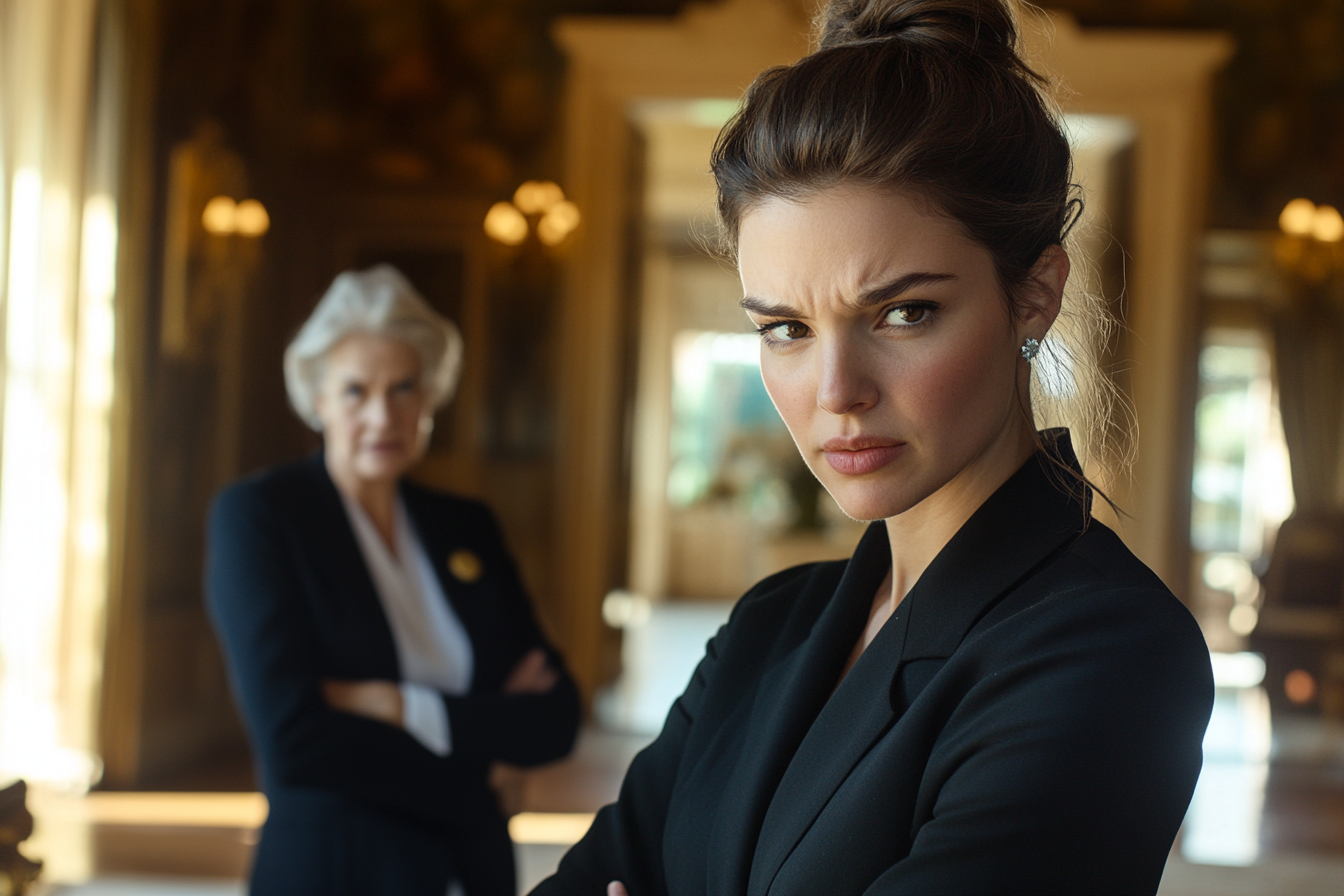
[993, 695]
[381, 645]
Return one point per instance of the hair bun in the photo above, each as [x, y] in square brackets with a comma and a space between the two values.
[965, 25]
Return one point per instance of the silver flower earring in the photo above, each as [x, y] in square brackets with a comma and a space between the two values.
[1030, 349]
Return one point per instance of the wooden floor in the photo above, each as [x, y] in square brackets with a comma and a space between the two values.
[1304, 794]
[200, 844]
[1299, 829]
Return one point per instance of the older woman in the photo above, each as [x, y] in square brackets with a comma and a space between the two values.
[380, 642]
[993, 695]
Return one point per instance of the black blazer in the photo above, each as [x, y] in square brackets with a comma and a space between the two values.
[357, 806]
[1028, 721]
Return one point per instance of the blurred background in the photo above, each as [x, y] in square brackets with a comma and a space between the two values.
[183, 178]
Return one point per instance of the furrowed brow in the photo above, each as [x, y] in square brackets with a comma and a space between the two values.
[767, 309]
[900, 285]
[874, 296]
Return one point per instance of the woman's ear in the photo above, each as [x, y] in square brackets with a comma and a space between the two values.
[1043, 293]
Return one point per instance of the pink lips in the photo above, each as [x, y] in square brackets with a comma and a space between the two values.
[858, 456]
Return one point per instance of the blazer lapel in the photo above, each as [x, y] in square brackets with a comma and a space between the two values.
[790, 694]
[1017, 530]
[856, 716]
[441, 537]
[350, 588]
[1023, 525]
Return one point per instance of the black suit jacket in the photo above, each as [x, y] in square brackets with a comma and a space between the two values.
[1029, 721]
[357, 806]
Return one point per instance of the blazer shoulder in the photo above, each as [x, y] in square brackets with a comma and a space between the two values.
[1101, 549]
[447, 502]
[272, 489]
[438, 510]
[782, 595]
[791, 582]
[1104, 605]
[1130, 612]
[1098, 588]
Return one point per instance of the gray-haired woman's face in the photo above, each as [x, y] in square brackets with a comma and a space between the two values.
[374, 412]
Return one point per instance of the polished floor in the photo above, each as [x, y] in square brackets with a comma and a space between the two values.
[1268, 819]
[200, 844]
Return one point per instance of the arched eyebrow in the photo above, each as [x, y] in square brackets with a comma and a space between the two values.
[875, 296]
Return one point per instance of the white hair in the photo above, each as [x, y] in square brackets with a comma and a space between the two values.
[377, 302]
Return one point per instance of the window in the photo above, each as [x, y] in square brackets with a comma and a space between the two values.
[1241, 488]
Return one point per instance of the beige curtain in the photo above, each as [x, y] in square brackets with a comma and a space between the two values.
[1309, 362]
[58, 234]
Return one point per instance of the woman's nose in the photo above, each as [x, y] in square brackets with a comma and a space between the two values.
[845, 386]
[377, 411]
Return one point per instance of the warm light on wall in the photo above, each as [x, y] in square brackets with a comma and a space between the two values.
[1297, 217]
[1328, 227]
[535, 197]
[506, 224]
[557, 217]
[251, 218]
[222, 217]
[1302, 217]
[559, 222]
[1310, 252]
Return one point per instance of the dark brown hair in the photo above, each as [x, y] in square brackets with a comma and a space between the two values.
[928, 96]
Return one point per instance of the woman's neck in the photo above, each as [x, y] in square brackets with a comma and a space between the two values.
[919, 534]
[376, 497]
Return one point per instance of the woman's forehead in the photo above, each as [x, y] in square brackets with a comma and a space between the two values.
[845, 243]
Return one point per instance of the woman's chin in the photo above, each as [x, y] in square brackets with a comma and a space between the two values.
[863, 511]
[382, 468]
[869, 503]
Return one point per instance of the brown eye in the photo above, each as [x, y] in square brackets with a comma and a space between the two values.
[906, 314]
[787, 331]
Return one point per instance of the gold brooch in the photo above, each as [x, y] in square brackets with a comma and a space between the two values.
[465, 565]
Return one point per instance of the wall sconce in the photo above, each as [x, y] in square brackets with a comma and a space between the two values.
[504, 223]
[1302, 217]
[1311, 249]
[543, 200]
[222, 217]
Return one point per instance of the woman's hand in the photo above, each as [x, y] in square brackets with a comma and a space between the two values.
[532, 675]
[616, 888]
[377, 700]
